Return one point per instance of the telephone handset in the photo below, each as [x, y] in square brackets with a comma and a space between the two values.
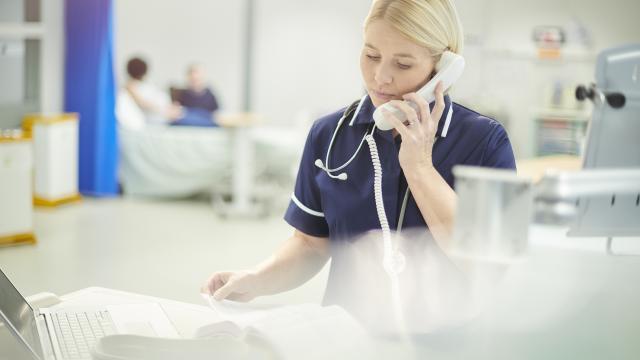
[448, 70]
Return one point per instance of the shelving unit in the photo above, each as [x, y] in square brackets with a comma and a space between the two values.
[560, 132]
[532, 54]
[31, 58]
[21, 34]
[544, 118]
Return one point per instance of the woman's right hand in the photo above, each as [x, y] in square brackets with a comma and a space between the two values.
[232, 285]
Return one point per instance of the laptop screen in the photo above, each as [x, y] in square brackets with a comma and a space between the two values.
[19, 313]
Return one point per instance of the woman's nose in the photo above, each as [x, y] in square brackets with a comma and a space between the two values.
[383, 75]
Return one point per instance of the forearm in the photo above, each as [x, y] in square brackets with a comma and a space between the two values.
[436, 201]
[299, 259]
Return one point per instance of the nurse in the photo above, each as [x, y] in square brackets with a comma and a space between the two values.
[403, 42]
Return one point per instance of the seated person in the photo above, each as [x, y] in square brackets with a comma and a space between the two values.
[155, 105]
[197, 99]
[141, 103]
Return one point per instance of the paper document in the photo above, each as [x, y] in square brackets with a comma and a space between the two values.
[293, 330]
[239, 313]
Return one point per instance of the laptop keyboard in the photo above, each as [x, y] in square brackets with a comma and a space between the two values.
[77, 333]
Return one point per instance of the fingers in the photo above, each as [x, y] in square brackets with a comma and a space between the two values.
[215, 282]
[396, 123]
[429, 119]
[230, 291]
[239, 297]
[423, 105]
[224, 292]
[413, 128]
[438, 109]
[408, 111]
[219, 282]
[231, 286]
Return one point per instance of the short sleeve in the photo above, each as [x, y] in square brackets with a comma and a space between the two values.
[499, 153]
[305, 211]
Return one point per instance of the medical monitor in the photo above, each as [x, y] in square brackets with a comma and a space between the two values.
[613, 141]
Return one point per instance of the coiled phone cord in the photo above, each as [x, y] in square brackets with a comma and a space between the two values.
[392, 261]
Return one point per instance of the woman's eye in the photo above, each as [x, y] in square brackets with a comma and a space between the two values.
[404, 66]
[373, 57]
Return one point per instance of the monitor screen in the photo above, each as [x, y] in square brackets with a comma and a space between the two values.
[612, 143]
[19, 314]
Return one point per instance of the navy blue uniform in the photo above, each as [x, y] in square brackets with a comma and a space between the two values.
[341, 210]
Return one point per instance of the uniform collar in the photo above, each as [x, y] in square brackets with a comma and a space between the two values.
[366, 108]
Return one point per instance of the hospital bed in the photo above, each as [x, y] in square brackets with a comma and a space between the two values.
[174, 162]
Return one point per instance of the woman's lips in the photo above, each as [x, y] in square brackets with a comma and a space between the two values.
[382, 95]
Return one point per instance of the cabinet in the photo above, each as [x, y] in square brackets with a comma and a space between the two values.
[16, 207]
[55, 152]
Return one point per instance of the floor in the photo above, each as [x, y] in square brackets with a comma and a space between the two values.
[165, 249]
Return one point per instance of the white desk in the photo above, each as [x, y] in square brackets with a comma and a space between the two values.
[559, 303]
[242, 169]
[186, 317]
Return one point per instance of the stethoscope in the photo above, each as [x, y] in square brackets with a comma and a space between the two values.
[394, 261]
[343, 175]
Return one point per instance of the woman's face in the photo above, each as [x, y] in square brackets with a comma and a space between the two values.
[196, 78]
[391, 64]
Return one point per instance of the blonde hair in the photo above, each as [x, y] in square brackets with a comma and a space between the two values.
[433, 24]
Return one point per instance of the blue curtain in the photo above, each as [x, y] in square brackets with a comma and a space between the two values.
[90, 91]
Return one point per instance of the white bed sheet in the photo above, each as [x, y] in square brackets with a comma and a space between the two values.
[173, 161]
[162, 161]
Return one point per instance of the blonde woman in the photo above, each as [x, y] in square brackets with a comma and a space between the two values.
[403, 42]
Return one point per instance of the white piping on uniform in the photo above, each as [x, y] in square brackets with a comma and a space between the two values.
[304, 208]
[447, 122]
[357, 110]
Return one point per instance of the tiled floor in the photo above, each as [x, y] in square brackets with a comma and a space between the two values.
[164, 249]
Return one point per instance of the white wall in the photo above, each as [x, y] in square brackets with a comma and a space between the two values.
[503, 72]
[11, 10]
[307, 56]
[174, 33]
[11, 71]
[52, 60]
[306, 52]
[11, 56]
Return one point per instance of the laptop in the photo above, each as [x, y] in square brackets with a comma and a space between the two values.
[71, 333]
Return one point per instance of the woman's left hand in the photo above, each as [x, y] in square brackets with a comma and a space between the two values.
[419, 133]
